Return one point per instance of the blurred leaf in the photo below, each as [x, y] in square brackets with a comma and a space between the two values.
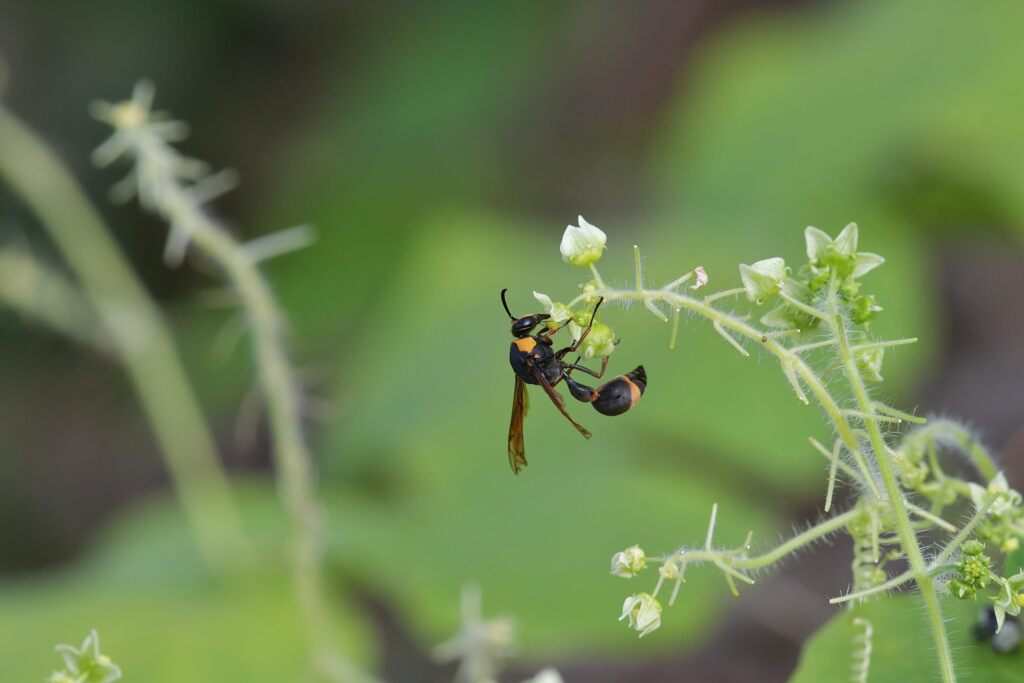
[902, 647]
[824, 116]
[160, 616]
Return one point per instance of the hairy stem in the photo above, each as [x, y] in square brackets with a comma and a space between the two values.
[136, 331]
[807, 537]
[904, 529]
[784, 354]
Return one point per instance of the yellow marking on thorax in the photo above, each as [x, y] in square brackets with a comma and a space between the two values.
[525, 344]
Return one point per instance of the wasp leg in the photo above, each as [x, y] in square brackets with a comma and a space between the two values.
[572, 349]
[546, 334]
[576, 366]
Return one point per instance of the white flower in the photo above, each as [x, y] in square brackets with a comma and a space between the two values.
[643, 611]
[820, 246]
[87, 661]
[629, 562]
[702, 277]
[582, 245]
[1005, 497]
[559, 312]
[546, 676]
[763, 279]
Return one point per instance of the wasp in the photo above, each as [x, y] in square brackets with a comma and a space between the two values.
[535, 361]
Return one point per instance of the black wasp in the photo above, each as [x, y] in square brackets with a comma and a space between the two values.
[535, 361]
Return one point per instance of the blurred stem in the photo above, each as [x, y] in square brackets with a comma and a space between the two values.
[294, 461]
[46, 297]
[137, 334]
[904, 529]
[162, 191]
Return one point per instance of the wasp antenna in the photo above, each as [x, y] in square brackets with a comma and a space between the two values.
[505, 304]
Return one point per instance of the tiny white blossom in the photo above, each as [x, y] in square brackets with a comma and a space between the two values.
[643, 611]
[629, 562]
[559, 312]
[846, 241]
[763, 279]
[87, 662]
[582, 244]
[819, 244]
[702, 277]
[546, 676]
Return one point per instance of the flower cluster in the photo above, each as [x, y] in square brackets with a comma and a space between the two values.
[999, 516]
[834, 261]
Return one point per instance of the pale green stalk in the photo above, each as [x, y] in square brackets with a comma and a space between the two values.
[904, 529]
[137, 334]
[162, 190]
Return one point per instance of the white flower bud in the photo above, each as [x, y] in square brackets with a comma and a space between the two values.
[629, 562]
[583, 244]
[643, 611]
[763, 279]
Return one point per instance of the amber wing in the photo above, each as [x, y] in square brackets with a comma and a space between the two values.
[557, 400]
[516, 447]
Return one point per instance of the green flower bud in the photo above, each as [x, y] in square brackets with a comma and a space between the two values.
[870, 362]
[629, 562]
[763, 279]
[973, 547]
[959, 589]
[600, 342]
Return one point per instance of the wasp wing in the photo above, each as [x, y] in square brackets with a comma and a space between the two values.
[516, 447]
[557, 400]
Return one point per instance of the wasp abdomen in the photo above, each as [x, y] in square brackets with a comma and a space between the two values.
[622, 393]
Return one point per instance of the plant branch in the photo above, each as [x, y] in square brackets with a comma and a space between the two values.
[137, 334]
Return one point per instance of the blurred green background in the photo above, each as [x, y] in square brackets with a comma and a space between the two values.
[440, 149]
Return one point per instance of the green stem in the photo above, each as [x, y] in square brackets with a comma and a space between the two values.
[137, 333]
[807, 537]
[904, 529]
